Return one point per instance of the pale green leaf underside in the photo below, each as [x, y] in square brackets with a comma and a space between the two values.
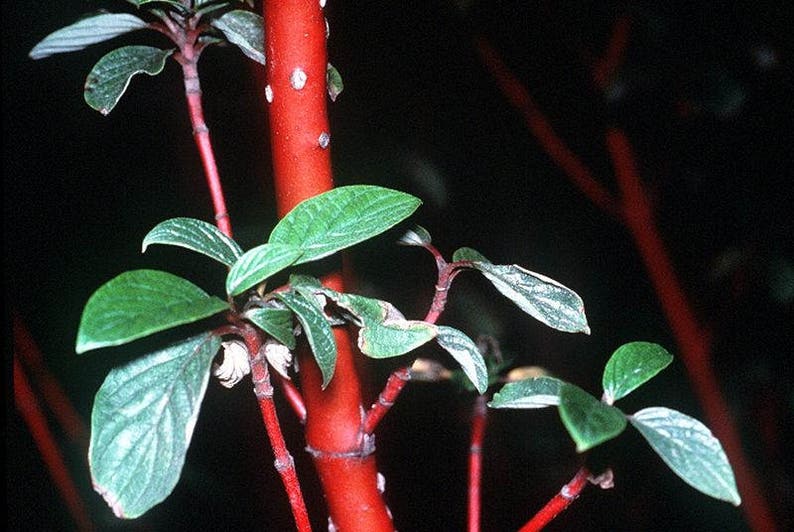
[110, 77]
[690, 450]
[142, 423]
[543, 298]
[334, 81]
[141, 302]
[415, 236]
[537, 392]
[88, 31]
[276, 322]
[465, 352]
[196, 235]
[317, 330]
[245, 30]
[631, 366]
[259, 263]
[589, 421]
[340, 218]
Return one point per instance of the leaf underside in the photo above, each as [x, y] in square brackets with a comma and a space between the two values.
[537, 392]
[85, 32]
[245, 30]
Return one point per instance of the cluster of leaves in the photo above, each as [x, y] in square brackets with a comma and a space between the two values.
[684, 443]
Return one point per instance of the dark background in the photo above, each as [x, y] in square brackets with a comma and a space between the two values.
[704, 93]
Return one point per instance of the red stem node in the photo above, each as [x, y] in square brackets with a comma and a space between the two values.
[569, 493]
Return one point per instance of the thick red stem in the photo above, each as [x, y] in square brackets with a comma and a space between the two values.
[559, 502]
[479, 420]
[296, 76]
[693, 343]
[201, 134]
[28, 406]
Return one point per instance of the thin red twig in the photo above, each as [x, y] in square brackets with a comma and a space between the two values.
[479, 420]
[604, 68]
[693, 343]
[263, 389]
[559, 502]
[28, 406]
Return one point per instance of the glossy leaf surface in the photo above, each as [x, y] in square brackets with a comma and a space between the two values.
[141, 302]
[142, 423]
[631, 366]
[317, 330]
[537, 392]
[465, 352]
[543, 298]
[259, 263]
[589, 421]
[85, 32]
[110, 77]
[196, 235]
[245, 30]
[690, 450]
[340, 218]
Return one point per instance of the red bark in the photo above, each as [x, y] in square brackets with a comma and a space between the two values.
[296, 75]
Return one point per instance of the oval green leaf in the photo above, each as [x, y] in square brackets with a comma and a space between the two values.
[85, 32]
[259, 263]
[631, 366]
[543, 298]
[245, 30]
[334, 81]
[141, 302]
[318, 332]
[342, 217]
[690, 450]
[537, 392]
[465, 352]
[142, 423]
[589, 421]
[110, 77]
[277, 322]
[196, 235]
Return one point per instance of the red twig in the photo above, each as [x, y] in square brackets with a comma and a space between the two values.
[540, 127]
[693, 343]
[263, 389]
[57, 401]
[605, 68]
[27, 404]
[294, 398]
[559, 502]
[295, 34]
[479, 420]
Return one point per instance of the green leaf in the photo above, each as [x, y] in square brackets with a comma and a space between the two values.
[318, 332]
[110, 77]
[277, 322]
[139, 303]
[543, 298]
[85, 32]
[334, 81]
[415, 236]
[537, 392]
[245, 30]
[589, 421]
[196, 235]
[465, 352]
[342, 217]
[258, 264]
[631, 366]
[142, 423]
[690, 450]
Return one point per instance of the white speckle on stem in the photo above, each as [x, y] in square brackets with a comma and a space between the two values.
[327, 29]
[298, 79]
[269, 93]
[324, 140]
[322, 4]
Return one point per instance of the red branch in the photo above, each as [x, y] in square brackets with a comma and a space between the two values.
[538, 124]
[605, 68]
[635, 212]
[295, 34]
[559, 502]
[263, 389]
[188, 58]
[692, 341]
[28, 406]
[479, 420]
